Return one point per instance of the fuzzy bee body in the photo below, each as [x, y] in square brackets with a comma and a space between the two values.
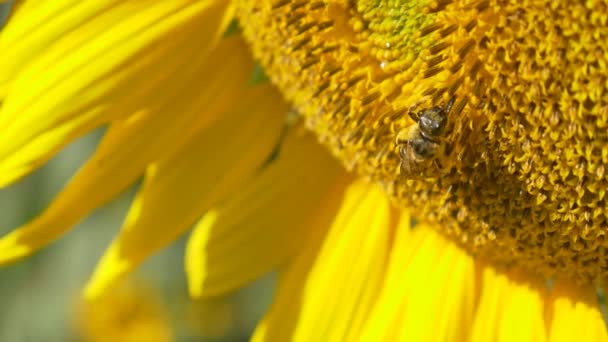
[420, 143]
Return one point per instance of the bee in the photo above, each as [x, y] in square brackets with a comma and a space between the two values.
[420, 143]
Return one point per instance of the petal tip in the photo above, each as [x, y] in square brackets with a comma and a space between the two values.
[110, 270]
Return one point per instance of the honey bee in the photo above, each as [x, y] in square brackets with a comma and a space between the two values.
[420, 143]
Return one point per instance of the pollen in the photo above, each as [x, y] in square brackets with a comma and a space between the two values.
[520, 176]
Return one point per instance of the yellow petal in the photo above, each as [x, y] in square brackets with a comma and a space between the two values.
[194, 97]
[390, 301]
[67, 67]
[264, 222]
[575, 314]
[487, 317]
[522, 316]
[428, 294]
[179, 189]
[511, 308]
[327, 292]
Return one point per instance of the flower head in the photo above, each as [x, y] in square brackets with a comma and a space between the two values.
[519, 173]
[482, 119]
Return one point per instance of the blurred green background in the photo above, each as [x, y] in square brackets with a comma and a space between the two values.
[38, 295]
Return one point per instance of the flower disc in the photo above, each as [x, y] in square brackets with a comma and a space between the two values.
[519, 175]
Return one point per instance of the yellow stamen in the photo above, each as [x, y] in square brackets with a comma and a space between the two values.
[518, 173]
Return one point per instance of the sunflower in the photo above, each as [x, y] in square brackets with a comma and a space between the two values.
[453, 187]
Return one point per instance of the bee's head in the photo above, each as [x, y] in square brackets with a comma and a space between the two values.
[433, 121]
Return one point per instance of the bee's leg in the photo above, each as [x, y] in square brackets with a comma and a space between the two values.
[448, 107]
[403, 151]
[414, 116]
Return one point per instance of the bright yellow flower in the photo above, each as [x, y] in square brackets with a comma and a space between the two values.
[509, 195]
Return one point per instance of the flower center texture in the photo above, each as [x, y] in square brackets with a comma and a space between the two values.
[488, 118]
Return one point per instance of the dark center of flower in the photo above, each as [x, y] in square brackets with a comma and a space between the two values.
[489, 118]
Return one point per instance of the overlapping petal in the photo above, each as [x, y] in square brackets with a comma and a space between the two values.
[428, 294]
[177, 190]
[264, 222]
[434, 291]
[199, 93]
[511, 307]
[69, 66]
[575, 314]
[326, 293]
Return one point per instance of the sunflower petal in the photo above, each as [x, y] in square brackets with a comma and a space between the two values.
[388, 306]
[337, 277]
[511, 308]
[523, 311]
[264, 222]
[576, 314]
[95, 62]
[134, 142]
[487, 316]
[416, 305]
[177, 190]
